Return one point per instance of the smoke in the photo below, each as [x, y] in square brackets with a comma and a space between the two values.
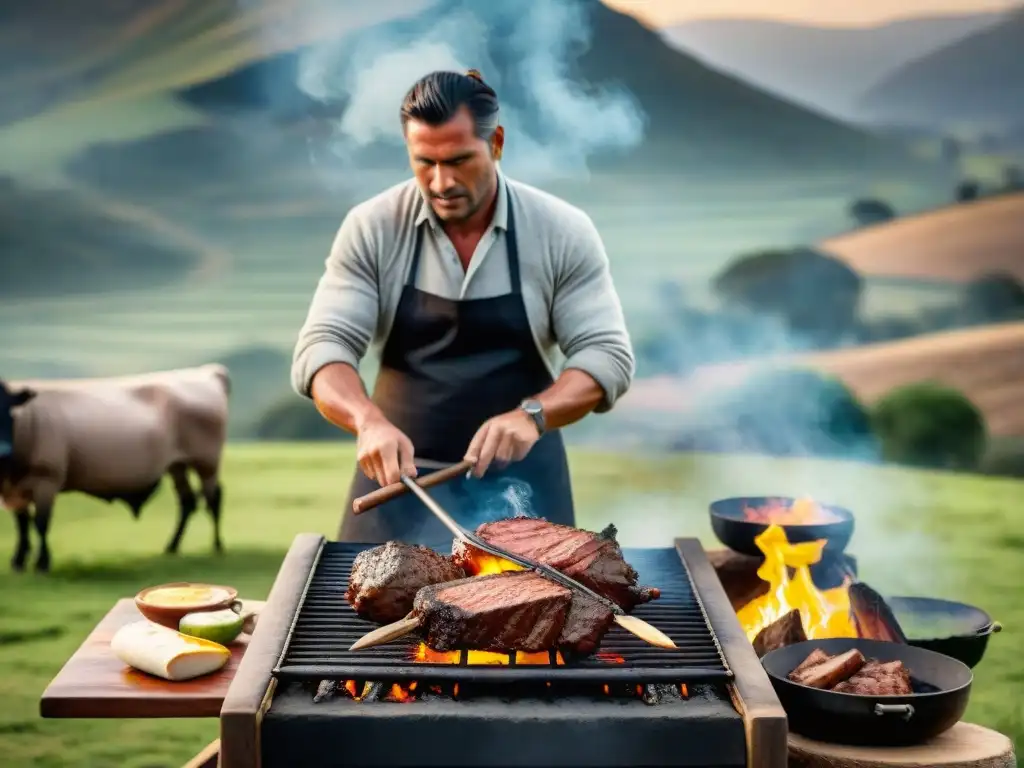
[524, 49]
[489, 499]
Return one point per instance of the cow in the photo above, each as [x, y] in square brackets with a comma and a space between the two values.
[112, 439]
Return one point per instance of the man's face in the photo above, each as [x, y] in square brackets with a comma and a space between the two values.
[453, 166]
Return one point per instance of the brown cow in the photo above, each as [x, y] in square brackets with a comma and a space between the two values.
[113, 439]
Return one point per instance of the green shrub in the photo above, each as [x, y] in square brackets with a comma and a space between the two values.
[930, 425]
[296, 419]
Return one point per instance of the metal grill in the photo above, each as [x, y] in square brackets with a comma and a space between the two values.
[325, 626]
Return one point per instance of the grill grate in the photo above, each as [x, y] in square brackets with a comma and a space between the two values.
[325, 626]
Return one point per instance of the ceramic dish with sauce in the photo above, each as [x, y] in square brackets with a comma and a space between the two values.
[166, 603]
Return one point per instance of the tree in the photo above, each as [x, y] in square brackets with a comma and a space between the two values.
[296, 419]
[995, 297]
[815, 294]
[968, 190]
[927, 424]
[868, 211]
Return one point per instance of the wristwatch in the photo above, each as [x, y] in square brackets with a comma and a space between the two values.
[535, 411]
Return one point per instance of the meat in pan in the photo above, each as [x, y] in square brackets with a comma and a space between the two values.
[593, 559]
[851, 672]
[385, 579]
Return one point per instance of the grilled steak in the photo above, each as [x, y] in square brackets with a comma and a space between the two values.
[502, 612]
[878, 678]
[585, 625]
[592, 559]
[384, 580]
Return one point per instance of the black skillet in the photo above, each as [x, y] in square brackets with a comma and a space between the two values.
[738, 533]
[942, 688]
[944, 626]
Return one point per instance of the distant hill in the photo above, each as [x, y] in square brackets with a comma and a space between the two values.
[957, 243]
[976, 81]
[986, 363]
[825, 68]
[56, 241]
[697, 119]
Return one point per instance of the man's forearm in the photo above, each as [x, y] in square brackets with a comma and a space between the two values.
[573, 395]
[341, 398]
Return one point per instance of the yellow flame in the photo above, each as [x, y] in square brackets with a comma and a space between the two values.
[823, 613]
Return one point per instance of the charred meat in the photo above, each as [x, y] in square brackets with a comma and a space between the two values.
[851, 672]
[592, 559]
[502, 612]
[385, 579]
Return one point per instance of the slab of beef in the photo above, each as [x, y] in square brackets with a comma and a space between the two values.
[877, 678]
[385, 579]
[592, 559]
[501, 612]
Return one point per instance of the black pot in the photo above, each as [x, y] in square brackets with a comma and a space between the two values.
[942, 687]
[738, 533]
[969, 627]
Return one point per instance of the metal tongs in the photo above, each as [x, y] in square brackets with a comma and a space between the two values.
[632, 624]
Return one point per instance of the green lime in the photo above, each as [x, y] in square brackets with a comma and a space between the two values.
[219, 626]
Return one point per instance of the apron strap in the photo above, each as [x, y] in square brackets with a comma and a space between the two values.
[414, 268]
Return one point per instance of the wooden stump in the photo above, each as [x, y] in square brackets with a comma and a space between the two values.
[962, 746]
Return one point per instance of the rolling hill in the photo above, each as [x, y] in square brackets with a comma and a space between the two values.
[957, 243]
[826, 68]
[986, 363]
[976, 81]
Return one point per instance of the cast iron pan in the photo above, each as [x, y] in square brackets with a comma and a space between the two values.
[738, 533]
[954, 629]
[942, 688]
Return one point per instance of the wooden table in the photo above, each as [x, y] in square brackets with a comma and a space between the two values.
[94, 683]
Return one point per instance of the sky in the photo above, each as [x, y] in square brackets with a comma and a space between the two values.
[818, 12]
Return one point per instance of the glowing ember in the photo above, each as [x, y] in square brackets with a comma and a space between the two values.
[483, 564]
[802, 511]
[824, 613]
[425, 654]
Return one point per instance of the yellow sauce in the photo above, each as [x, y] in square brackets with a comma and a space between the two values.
[173, 597]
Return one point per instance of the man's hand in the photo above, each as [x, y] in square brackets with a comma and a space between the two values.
[384, 452]
[505, 438]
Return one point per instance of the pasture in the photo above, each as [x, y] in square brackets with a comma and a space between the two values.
[939, 534]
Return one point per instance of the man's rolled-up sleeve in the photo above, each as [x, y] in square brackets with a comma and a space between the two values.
[343, 313]
[587, 316]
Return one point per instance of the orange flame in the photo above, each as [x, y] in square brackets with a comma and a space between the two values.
[802, 511]
[824, 613]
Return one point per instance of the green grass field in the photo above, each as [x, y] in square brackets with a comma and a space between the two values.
[946, 535]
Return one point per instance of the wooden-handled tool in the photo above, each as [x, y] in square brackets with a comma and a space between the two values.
[388, 492]
[632, 624]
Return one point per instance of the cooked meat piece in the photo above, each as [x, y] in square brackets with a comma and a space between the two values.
[385, 579]
[593, 559]
[817, 656]
[878, 678]
[780, 633]
[502, 612]
[831, 672]
[585, 626]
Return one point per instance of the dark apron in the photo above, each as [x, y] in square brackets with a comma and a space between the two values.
[447, 367]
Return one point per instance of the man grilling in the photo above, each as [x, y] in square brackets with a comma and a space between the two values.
[470, 284]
